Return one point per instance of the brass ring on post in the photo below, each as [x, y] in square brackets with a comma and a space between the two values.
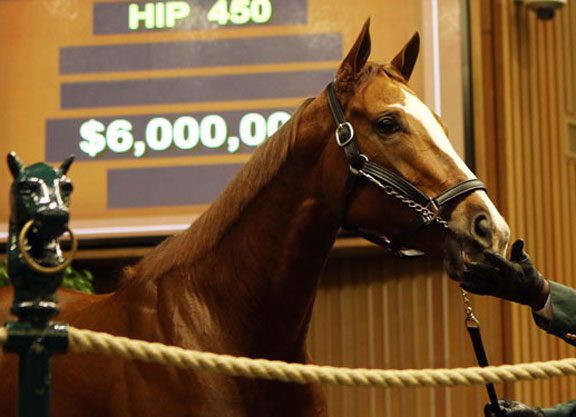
[31, 263]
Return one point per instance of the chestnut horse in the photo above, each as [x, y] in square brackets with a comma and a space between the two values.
[242, 279]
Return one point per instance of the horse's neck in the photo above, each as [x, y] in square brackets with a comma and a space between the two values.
[255, 280]
[272, 259]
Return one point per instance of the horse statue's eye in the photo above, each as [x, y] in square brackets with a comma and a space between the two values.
[388, 125]
[66, 187]
[28, 187]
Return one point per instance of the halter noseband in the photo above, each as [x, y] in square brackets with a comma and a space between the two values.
[427, 208]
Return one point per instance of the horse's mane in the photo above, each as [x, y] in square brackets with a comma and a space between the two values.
[255, 175]
[212, 225]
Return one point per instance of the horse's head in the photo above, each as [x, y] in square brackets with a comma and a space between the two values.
[397, 174]
[40, 194]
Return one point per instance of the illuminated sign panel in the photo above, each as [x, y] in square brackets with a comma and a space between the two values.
[127, 17]
[129, 188]
[201, 53]
[162, 102]
[186, 134]
[190, 89]
[167, 135]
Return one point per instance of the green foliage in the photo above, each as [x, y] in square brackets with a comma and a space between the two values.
[76, 280]
[4, 280]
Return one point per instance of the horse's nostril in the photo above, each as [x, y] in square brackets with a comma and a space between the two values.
[482, 227]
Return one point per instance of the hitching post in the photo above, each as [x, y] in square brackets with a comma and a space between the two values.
[35, 267]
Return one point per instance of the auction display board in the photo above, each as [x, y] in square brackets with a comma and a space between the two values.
[162, 102]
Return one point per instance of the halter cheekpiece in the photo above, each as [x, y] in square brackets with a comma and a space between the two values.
[427, 208]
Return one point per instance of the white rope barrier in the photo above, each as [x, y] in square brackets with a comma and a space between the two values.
[86, 341]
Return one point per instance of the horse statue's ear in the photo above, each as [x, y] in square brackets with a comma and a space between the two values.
[357, 56]
[65, 166]
[406, 59]
[14, 164]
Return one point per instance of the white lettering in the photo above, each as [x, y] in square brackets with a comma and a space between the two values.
[176, 10]
[135, 15]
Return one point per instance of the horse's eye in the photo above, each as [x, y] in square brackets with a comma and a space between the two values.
[388, 125]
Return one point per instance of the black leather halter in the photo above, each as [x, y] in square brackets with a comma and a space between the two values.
[427, 208]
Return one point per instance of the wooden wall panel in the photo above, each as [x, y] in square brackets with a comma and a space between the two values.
[376, 311]
[525, 91]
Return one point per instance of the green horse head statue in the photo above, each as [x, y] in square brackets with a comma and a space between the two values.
[39, 214]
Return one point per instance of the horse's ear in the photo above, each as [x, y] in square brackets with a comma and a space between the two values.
[406, 59]
[65, 166]
[357, 56]
[14, 164]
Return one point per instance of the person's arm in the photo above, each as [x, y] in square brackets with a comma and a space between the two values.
[567, 409]
[553, 306]
[517, 409]
[560, 319]
[517, 279]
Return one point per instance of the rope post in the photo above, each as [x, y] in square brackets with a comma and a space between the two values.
[34, 337]
[35, 345]
[35, 268]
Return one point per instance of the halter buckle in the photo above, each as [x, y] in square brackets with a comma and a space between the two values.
[344, 134]
[356, 170]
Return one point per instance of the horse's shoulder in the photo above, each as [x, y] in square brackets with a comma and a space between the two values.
[6, 298]
[68, 297]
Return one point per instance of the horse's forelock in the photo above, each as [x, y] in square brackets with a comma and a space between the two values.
[346, 83]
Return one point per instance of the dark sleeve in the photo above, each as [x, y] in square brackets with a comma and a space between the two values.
[563, 323]
[561, 410]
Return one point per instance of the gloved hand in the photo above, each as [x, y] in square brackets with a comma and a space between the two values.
[515, 280]
[513, 409]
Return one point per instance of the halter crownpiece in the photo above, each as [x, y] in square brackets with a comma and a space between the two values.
[427, 208]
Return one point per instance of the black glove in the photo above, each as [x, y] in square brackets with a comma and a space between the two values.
[515, 280]
[513, 409]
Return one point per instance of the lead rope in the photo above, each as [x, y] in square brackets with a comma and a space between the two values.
[473, 327]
